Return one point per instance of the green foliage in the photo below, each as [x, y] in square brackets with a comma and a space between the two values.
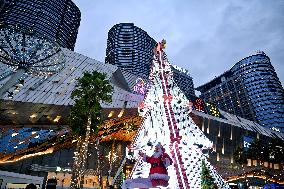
[91, 89]
[207, 181]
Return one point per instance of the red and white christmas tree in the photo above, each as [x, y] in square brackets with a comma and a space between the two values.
[165, 111]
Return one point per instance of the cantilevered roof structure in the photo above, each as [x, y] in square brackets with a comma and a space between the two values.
[46, 100]
[242, 123]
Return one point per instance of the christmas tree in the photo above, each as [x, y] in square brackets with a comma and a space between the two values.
[165, 111]
[207, 181]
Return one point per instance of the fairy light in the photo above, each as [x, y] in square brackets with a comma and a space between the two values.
[114, 156]
[199, 105]
[163, 121]
[110, 114]
[213, 110]
[57, 119]
[34, 115]
[121, 113]
[48, 151]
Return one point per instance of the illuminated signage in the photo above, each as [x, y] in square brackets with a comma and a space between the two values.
[247, 142]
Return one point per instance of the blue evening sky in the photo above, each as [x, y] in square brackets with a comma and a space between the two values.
[204, 36]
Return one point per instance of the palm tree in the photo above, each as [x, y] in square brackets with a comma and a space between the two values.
[85, 116]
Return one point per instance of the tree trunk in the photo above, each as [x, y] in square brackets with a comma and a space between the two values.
[76, 165]
[85, 152]
[110, 161]
[80, 160]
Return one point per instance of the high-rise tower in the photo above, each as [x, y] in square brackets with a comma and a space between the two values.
[131, 48]
[57, 20]
[250, 89]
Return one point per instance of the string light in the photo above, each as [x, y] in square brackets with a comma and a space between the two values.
[213, 110]
[199, 105]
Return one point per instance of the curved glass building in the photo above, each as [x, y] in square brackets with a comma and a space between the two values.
[250, 89]
[131, 48]
[56, 20]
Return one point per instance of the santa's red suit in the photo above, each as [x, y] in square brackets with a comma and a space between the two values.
[159, 162]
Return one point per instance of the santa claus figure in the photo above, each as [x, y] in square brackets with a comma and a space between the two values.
[159, 162]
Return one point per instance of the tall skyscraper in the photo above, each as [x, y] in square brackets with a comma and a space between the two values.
[250, 89]
[131, 48]
[57, 20]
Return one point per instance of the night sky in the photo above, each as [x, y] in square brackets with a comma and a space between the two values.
[206, 37]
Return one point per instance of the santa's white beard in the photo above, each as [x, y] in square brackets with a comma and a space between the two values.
[158, 154]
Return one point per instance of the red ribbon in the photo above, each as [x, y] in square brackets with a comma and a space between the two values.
[169, 98]
[175, 139]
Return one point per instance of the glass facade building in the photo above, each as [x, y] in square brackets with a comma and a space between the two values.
[57, 20]
[131, 48]
[250, 89]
